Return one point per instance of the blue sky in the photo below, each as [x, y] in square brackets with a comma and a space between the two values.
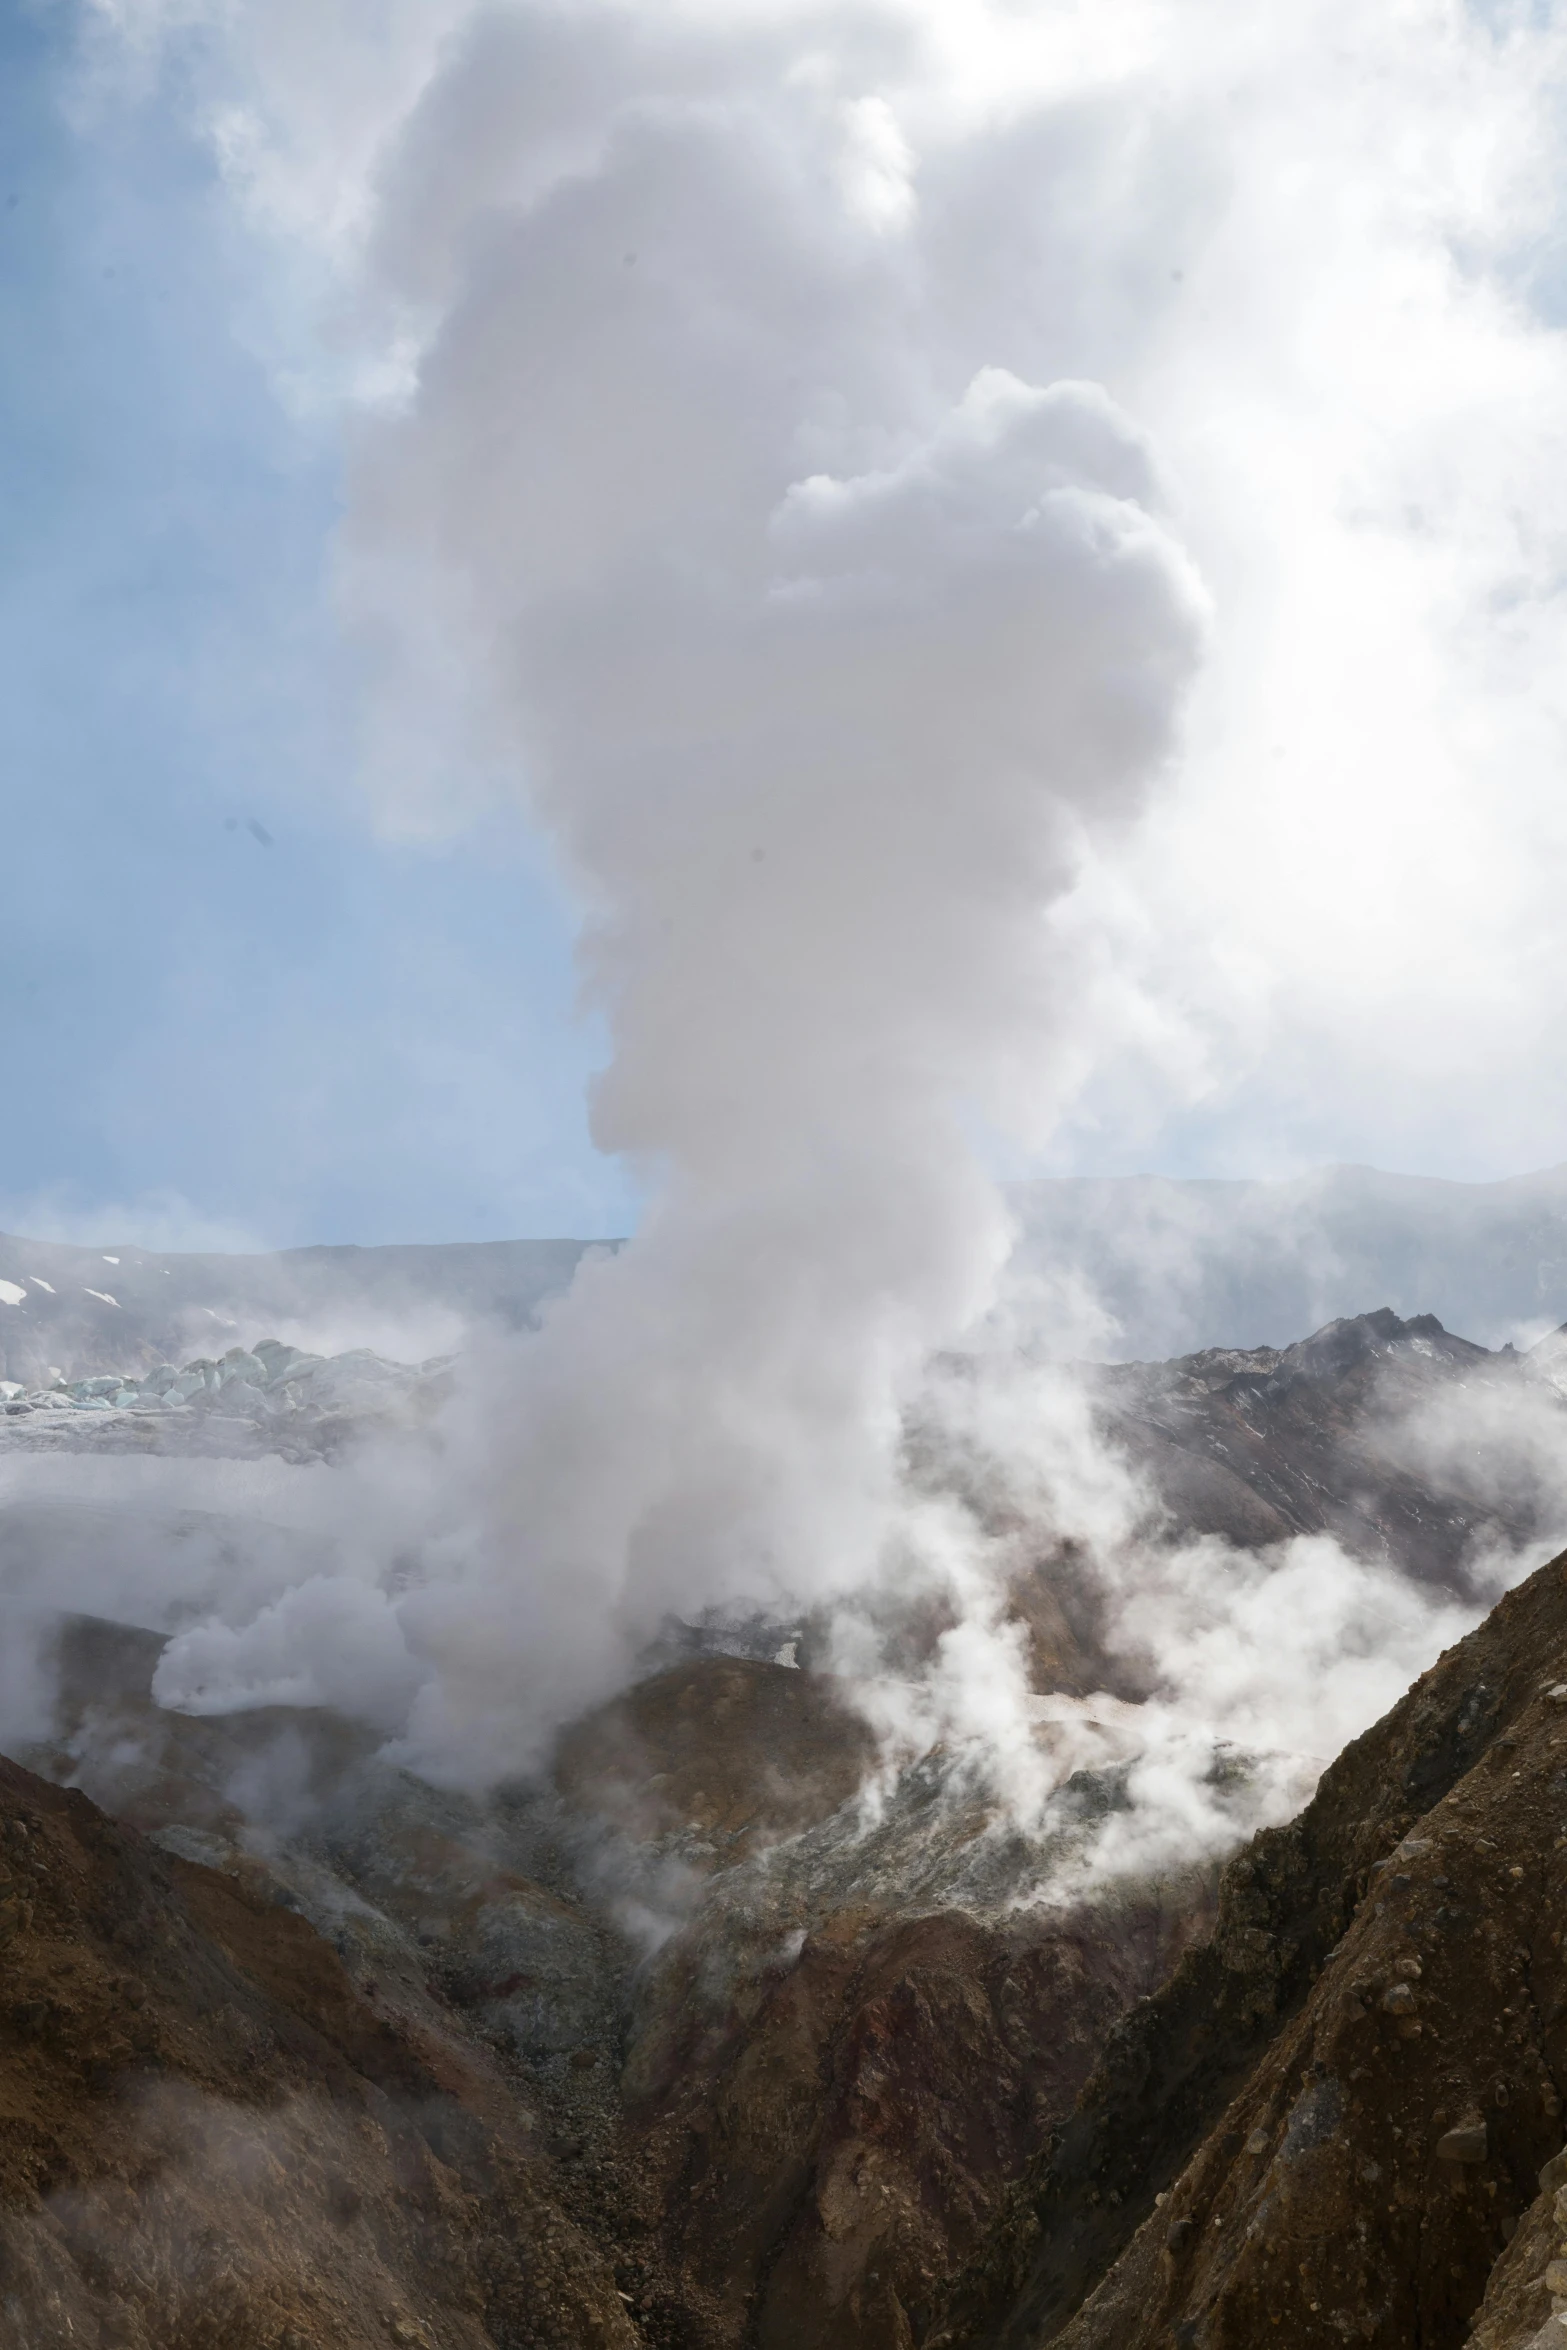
[222, 988]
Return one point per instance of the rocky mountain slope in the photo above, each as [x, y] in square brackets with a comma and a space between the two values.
[210, 2135]
[1408, 1445]
[1403, 1441]
[836, 2072]
[774, 2059]
[727, 2034]
[1330, 2124]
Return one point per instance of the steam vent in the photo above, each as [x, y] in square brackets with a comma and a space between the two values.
[405, 2066]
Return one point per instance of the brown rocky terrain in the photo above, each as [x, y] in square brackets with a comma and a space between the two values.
[781, 2109]
[824, 2085]
[732, 2037]
[1329, 2125]
[832, 2076]
[213, 2139]
[1403, 1441]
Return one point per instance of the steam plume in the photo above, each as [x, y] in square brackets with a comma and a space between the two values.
[745, 477]
[818, 660]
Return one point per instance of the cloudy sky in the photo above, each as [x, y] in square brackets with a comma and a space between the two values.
[401, 404]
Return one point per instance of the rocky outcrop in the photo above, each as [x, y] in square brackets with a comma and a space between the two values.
[212, 2136]
[1525, 2305]
[1345, 1434]
[1329, 2124]
[828, 2147]
[734, 1750]
[852, 2037]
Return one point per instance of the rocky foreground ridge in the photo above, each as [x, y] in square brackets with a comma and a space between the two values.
[415, 2070]
[1340, 2119]
[211, 2137]
[761, 2065]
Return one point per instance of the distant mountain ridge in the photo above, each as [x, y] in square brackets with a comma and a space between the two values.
[80, 1311]
[1183, 1264]
[1403, 1442]
[1134, 1268]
